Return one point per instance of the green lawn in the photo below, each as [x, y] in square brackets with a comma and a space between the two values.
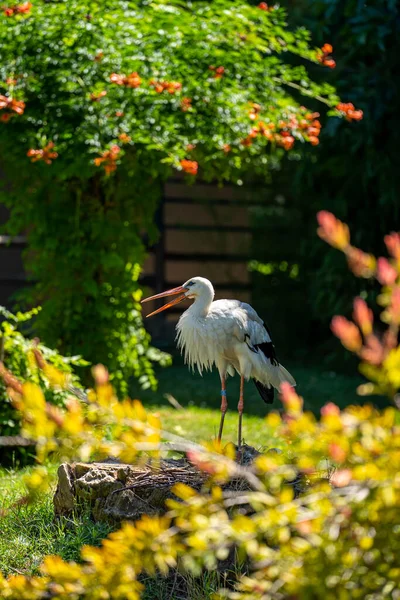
[27, 533]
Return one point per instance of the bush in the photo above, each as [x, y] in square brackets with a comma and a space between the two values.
[17, 353]
[98, 107]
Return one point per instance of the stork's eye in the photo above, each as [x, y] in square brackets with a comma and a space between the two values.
[190, 284]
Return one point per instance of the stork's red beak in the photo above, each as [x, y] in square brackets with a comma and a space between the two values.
[178, 290]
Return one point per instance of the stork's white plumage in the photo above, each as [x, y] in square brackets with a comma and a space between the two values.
[228, 334]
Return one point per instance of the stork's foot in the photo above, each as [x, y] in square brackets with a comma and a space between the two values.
[245, 454]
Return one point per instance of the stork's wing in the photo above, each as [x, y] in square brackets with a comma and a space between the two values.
[254, 331]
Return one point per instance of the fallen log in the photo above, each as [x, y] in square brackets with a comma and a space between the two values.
[115, 492]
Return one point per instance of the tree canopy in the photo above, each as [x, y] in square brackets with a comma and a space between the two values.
[213, 83]
[99, 104]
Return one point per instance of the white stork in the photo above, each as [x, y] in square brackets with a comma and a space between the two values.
[230, 335]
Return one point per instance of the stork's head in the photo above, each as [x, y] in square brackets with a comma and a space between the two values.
[194, 288]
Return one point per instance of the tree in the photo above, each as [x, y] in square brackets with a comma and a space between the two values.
[98, 107]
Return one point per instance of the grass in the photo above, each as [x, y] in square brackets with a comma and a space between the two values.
[28, 533]
[182, 586]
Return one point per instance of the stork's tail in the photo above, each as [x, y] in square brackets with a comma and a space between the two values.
[267, 391]
[284, 375]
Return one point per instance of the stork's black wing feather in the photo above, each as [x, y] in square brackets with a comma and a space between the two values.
[266, 393]
[268, 349]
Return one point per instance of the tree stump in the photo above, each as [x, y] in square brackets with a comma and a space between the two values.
[115, 492]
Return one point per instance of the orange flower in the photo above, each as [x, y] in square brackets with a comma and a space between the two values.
[219, 71]
[330, 410]
[363, 316]
[99, 56]
[392, 242]
[291, 401]
[108, 159]
[332, 230]
[247, 141]
[132, 81]
[124, 138]
[189, 166]
[337, 453]
[386, 273]
[16, 106]
[324, 58]
[393, 312]
[174, 86]
[226, 148]
[100, 374]
[202, 462]
[264, 6]
[374, 351]
[186, 104]
[314, 128]
[190, 147]
[5, 117]
[347, 332]
[98, 96]
[158, 87]
[264, 130]
[46, 154]
[285, 140]
[314, 141]
[170, 86]
[11, 81]
[24, 8]
[327, 49]
[117, 79]
[17, 9]
[349, 111]
[362, 264]
[255, 109]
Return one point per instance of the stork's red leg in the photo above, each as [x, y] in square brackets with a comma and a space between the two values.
[240, 410]
[224, 407]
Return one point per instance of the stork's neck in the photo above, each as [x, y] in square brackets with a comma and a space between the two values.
[202, 303]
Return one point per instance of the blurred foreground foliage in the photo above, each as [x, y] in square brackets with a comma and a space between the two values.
[98, 107]
[340, 538]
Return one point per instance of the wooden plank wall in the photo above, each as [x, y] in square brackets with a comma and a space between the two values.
[207, 232]
[12, 275]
